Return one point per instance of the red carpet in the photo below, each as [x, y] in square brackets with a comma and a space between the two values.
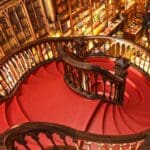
[45, 97]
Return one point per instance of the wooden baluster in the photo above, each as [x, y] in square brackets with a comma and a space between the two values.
[74, 79]
[24, 61]
[2, 90]
[54, 49]
[25, 55]
[121, 146]
[70, 69]
[4, 86]
[115, 51]
[16, 66]
[6, 79]
[77, 146]
[63, 137]
[20, 64]
[65, 70]
[87, 83]
[88, 145]
[44, 52]
[83, 80]
[111, 146]
[69, 46]
[49, 51]
[111, 90]
[75, 141]
[10, 79]
[141, 61]
[104, 83]
[144, 59]
[35, 136]
[135, 53]
[50, 137]
[100, 146]
[96, 83]
[31, 58]
[28, 59]
[69, 72]
[139, 143]
[130, 146]
[80, 79]
[39, 53]
[35, 54]
[14, 69]
[148, 68]
[11, 73]
[20, 139]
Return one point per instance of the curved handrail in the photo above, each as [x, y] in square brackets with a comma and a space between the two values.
[83, 78]
[78, 138]
[100, 40]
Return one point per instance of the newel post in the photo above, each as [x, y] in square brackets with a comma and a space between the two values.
[121, 66]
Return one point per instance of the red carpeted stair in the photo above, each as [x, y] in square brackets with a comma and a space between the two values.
[45, 97]
[3, 119]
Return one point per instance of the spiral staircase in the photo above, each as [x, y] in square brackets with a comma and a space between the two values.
[72, 84]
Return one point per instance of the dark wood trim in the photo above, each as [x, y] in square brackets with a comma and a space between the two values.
[44, 127]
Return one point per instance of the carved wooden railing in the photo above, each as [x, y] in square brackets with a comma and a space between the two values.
[110, 47]
[22, 61]
[29, 136]
[90, 80]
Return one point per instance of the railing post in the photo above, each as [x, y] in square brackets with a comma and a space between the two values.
[121, 66]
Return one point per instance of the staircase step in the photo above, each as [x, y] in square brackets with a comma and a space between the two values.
[3, 120]
[54, 69]
[32, 79]
[59, 107]
[42, 74]
[140, 82]
[59, 66]
[109, 124]
[97, 122]
[14, 113]
[133, 92]
[123, 124]
[93, 115]
[131, 123]
[115, 119]
[120, 122]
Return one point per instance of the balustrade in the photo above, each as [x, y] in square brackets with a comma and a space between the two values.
[21, 62]
[65, 138]
[91, 81]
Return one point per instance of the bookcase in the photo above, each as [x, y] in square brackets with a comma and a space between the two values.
[37, 17]
[22, 21]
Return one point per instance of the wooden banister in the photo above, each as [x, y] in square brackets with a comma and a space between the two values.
[63, 136]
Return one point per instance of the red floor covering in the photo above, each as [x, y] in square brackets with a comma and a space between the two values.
[45, 97]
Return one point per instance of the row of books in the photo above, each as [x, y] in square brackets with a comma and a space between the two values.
[13, 70]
